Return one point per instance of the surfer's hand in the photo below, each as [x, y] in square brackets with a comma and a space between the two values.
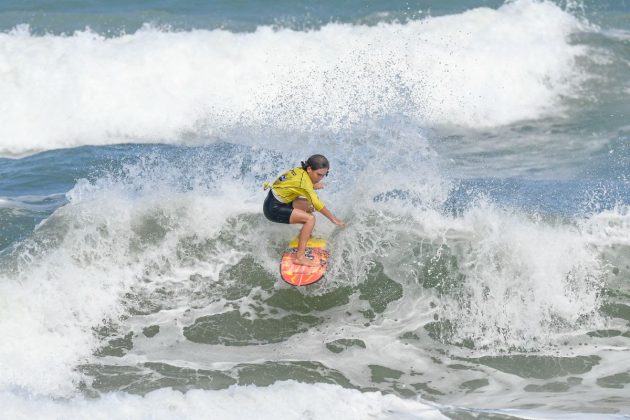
[318, 186]
[339, 223]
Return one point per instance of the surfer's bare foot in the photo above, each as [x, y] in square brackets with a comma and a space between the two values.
[305, 261]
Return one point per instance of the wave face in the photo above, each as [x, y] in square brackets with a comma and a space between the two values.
[479, 157]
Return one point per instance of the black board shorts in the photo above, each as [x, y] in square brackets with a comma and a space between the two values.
[275, 210]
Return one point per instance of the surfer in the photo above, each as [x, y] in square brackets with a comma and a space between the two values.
[292, 199]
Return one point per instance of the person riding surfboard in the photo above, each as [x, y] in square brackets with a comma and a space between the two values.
[292, 199]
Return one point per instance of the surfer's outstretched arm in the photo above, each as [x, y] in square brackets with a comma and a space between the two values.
[332, 218]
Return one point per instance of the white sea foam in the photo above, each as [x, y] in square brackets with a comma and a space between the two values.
[144, 230]
[30, 202]
[516, 281]
[285, 400]
[620, 34]
[480, 68]
[69, 277]
[609, 227]
[525, 280]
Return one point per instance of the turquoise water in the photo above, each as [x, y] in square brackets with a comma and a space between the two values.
[479, 155]
[109, 17]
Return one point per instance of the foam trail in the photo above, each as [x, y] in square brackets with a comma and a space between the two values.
[155, 85]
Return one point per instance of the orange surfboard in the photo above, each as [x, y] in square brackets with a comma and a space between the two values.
[302, 275]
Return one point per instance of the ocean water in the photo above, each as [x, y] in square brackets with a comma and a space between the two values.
[480, 156]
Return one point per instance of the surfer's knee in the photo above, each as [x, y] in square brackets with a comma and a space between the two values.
[300, 216]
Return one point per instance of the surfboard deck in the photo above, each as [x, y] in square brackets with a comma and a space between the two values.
[302, 275]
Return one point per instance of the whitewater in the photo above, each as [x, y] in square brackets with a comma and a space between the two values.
[86, 88]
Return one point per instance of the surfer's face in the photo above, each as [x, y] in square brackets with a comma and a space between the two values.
[317, 175]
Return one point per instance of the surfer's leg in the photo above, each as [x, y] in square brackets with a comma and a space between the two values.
[308, 220]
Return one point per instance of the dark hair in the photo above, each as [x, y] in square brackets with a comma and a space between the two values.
[316, 162]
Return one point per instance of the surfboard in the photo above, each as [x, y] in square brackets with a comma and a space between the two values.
[303, 275]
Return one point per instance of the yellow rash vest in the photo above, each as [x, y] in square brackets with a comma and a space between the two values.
[292, 184]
